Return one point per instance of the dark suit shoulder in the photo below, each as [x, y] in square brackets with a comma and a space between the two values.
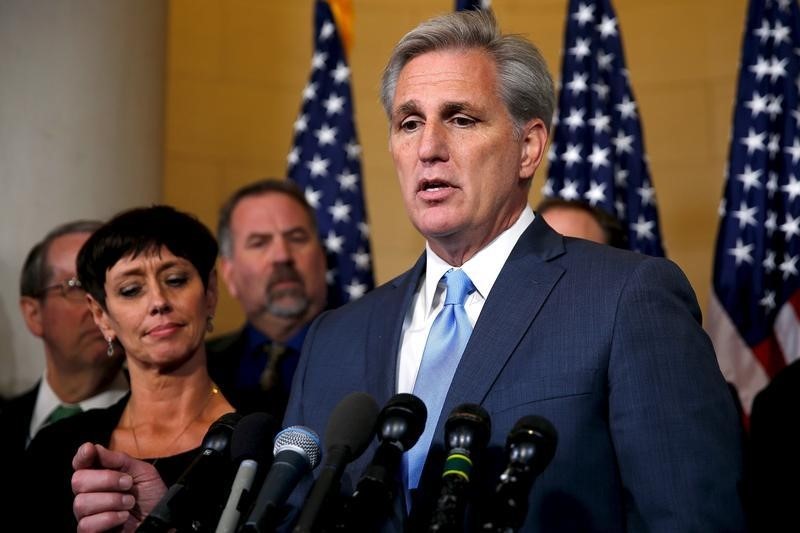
[225, 343]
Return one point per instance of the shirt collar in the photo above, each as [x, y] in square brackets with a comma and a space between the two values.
[482, 268]
[255, 339]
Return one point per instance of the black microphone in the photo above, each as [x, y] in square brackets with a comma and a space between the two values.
[349, 432]
[400, 424]
[297, 452]
[530, 445]
[466, 434]
[198, 488]
[250, 450]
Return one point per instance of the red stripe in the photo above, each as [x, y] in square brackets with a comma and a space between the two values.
[769, 354]
[794, 299]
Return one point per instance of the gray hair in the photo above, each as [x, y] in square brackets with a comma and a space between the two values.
[523, 80]
[258, 188]
[36, 272]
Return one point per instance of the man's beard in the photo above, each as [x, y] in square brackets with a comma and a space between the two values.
[286, 303]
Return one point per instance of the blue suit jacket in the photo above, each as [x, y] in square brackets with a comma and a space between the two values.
[604, 343]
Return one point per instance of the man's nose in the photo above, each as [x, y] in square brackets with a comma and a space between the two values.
[433, 145]
[281, 251]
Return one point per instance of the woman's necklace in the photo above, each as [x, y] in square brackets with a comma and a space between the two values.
[214, 391]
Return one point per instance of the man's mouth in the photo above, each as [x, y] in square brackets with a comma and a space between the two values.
[433, 185]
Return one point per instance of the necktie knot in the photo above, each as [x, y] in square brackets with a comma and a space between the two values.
[63, 411]
[459, 286]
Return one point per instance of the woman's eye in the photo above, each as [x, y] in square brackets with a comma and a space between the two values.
[129, 291]
[177, 281]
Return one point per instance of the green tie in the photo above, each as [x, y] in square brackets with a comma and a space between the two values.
[63, 411]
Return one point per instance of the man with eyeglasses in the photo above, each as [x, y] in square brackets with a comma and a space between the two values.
[78, 375]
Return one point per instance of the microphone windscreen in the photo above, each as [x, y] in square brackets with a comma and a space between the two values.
[540, 439]
[408, 408]
[352, 423]
[252, 438]
[302, 440]
[218, 436]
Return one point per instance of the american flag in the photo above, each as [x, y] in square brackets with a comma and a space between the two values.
[462, 5]
[325, 161]
[753, 314]
[597, 153]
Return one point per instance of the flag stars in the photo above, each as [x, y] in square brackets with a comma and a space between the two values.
[363, 228]
[318, 166]
[604, 60]
[294, 156]
[584, 14]
[774, 144]
[792, 188]
[607, 27]
[757, 105]
[643, 228]
[340, 211]
[745, 215]
[777, 69]
[333, 243]
[353, 150]
[355, 290]
[578, 84]
[569, 191]
[775, 106]
[626, 108]
[301, 124]
[772, 183]
[750, 178]
[761, 68]
[361, 259]
[326, 31]
[623, 144]
[318, 60]
[791, 228]
[789, 266]
[341, 73]
[647, 193]
[771, 223]
[310, 92]
[769, 262]
[347, 181]
[741, 252]
[768, 301]
[600, 123]
[764, 32]
[333, 104]
[596, 193]
[601, 89]
[325, 135]
[581, 48]
[794, 150]
[575, 119]
[780, 33]
[599, 157]
[571, 155]
[754, 141]
[312, 197]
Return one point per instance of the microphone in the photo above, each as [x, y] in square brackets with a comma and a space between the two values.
[198, 488]
[466, 434]
[400, 424]
[530, 445]
[349, 432]
[297, 452]
[250, 450]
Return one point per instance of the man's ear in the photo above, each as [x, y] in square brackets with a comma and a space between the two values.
[32, 313]
[534, 142]
[226, 269]
[101, 318]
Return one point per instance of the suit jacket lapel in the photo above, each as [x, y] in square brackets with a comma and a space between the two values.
[385, 327]
[506, 316]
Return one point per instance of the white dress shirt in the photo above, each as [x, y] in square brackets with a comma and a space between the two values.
[483, 269]
[47, 401]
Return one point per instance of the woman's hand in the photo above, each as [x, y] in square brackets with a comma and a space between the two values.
[112, 489]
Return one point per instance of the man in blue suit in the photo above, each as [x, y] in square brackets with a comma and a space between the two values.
[604, 343]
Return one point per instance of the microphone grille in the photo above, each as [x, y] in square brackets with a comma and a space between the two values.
[299, 438]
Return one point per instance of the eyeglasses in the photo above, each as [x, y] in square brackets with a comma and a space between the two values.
[71, 289]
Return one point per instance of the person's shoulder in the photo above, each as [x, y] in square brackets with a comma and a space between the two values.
[21, 402]
[224, 343]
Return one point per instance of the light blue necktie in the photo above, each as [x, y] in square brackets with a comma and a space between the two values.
[446, 342]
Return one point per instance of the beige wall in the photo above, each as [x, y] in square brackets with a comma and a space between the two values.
[235, 69]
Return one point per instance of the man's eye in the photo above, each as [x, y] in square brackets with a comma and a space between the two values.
[462, 122]
[410, 125]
